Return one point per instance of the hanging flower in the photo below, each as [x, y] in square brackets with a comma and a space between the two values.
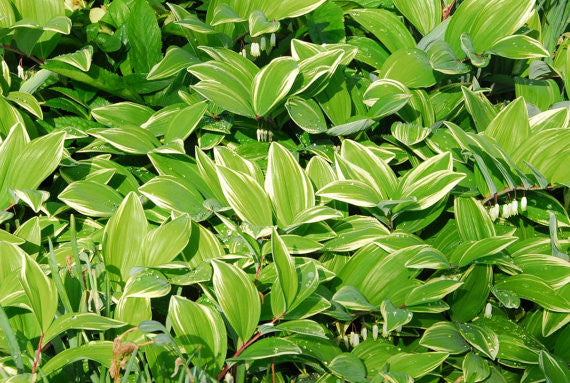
[523, 203]
[255, 52]
[273, 40]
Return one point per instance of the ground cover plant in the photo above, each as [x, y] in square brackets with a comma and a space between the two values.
[276, 191]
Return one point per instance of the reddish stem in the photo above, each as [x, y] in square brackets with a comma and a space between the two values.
[259, 268]
[447, 11]
[273, 371]
[246, 345]
[19, 52]
[38, 354]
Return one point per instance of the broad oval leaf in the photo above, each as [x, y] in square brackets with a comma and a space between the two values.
[238, 298]
[272, 84]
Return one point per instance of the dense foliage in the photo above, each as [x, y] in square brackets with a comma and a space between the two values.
[269, 191]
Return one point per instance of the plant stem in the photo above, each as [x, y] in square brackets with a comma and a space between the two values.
[246, 345]
[38, 354]
[509, 190]
[19, 52]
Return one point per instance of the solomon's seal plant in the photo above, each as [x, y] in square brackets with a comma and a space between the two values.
[277, 191]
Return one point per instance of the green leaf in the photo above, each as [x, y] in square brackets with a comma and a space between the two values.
[554, 370]
[168, 240]
[91, 198]
[416, 365]
[424, 14]
[196, 25]
[27, 102]
[80, 59]
[352, 299]
[315, 214]
[223, 14]
[44, 153]
[272, 84]
[10, 337]
[473, 221]
[287, 185]
[444, 337]
[98, 351]
[349, 367]
[394, 317]
[353, 125]
[122, 113]
[40, 291]
[96, 77]
[486, 22]
[475, 368]
[123, 238]
[268, 348]
[247, 198]
[176, 194]
[285, 266]
[175, 60]
[484, 340]
[409, 134]
[507, 298]
[79, 321]
[535, 289]
[129, 139]
[238, 298]
[470, 252]
[259, 25]
[197, 325]
[369, 51]
[304, 327]
[367, 165]
[431, 291]
[144, 37]
[386, 26]
[33, 198]
[431, 181]
[481, 110]
[388, 104]
[539, 204]
[353, 192]
[355, 232]
[185, 122]
[519, 47]
[226, 83]
[442, 59]
[510, 127]
[326, 24]
[470, 298]
[418, 73]
[307, 114]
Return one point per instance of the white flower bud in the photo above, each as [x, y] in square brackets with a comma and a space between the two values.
[254, 50]
[354, 339]
[488, 310]
[523, 204]
[229, 378]
[273, 40]
[514, 207]
[20, 72]
[364, 332]
[506, 210]
[375, 332]
[263, 43]
[243, 52]
[493, 212]
[345, 340]
[385, 332]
